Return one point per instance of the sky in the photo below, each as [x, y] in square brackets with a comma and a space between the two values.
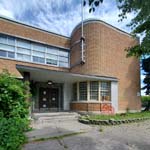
[61, 16]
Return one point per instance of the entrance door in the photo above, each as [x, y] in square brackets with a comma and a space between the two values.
[48, 99]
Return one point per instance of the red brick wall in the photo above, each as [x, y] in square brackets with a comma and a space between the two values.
[105, 56]
[12, 28]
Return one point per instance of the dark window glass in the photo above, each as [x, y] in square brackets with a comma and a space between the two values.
[94, 90]
[11, 55]
[83, 90]
[3, 53]
[51, 61]
[75, 92]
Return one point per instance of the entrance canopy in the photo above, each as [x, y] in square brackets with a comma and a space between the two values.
[43, 75]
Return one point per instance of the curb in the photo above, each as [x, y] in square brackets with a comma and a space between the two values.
[111, 121]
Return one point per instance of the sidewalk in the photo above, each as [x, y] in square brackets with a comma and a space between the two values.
[56, 127]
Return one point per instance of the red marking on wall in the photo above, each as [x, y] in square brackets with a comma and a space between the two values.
[107, 108]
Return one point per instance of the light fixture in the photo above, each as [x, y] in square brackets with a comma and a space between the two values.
[49, 82]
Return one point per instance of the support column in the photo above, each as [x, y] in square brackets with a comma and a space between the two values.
[114, 95]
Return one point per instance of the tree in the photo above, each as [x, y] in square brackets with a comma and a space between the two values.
[140, 25]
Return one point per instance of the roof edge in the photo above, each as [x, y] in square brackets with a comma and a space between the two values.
[92, 20]
[31, 26]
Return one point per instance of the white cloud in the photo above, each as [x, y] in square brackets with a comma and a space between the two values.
[61, 16]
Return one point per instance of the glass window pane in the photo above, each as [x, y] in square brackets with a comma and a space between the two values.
[39, 54]
[11, 54]
[94, 90]
[105, 91]
[23, 57]
[38, 59]
[52, 50]
[65, 59]
[11, 41]
[63, 53]
[63, 64]
[7, 47]
[83, 90]
[3, 39]
[23, 51]
[39, 47]
[55, 57]
[3, 53]
[24, 43]
[51, 61]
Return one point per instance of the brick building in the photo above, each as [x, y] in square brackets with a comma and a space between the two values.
[106, 82]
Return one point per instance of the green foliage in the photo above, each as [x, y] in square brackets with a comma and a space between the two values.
[13, 112]
[145, 98]
[146, 102]
[11, 133]
[13, 97]
[119, 116]
[92, 3]
[146, 81]
[140, 24]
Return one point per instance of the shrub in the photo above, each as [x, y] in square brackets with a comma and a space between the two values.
[146, 102]
[11, 133]
[13, 112]
[13, 96]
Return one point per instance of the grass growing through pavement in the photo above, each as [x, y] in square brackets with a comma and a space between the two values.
[119, 116]
[57, 137]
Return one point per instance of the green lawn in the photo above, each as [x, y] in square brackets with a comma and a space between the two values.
[119, 116]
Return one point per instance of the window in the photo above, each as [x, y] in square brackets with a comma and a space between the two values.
[7, 47]
[94, 90]
[75, 92]
[63, 53]
[105, 91]
[11, 55]
[3, 39]
[63, 64]
[3, 53]
[11, 41]
[83, 90]
[39, 47]
[23, 57]
[24, 50]
[38, 59]
[39, 54]
[51, 61]
[52, 50]
[23, 43]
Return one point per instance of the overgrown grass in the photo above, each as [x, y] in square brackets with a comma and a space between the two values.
[56, 137]
[119, 116]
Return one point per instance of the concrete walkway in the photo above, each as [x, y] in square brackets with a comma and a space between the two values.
[55, 124]
[133, 136]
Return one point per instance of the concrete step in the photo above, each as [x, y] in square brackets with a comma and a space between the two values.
[54, 114]
[60, 116]
[41, 120]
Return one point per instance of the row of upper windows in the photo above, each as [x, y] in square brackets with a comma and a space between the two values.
[16, 48]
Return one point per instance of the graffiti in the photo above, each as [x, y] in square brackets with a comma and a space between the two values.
[107, 109]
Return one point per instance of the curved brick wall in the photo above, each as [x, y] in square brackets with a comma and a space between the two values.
[105, 56]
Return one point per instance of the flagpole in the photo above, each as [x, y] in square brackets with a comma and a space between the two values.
[82, 36]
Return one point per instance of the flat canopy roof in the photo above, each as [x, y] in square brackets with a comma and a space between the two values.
[43, 75]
